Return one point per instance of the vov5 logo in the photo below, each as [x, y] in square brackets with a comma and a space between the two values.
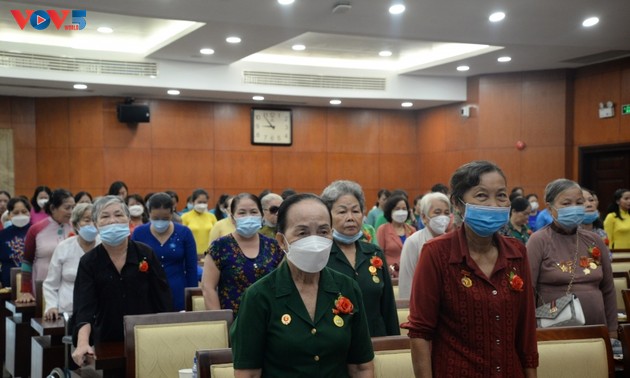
[40, 19]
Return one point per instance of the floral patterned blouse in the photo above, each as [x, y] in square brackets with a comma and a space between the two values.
[238, 272]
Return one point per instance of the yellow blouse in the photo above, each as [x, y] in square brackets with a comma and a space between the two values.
[200, 225]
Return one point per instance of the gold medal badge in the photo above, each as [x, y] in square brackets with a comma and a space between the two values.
[466, 281]
[338, 321]
[376, 279]
[286, 319]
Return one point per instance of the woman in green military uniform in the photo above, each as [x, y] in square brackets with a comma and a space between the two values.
[303, 319]
[364, 262]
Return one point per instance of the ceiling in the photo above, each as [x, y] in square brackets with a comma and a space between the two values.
[536, 34]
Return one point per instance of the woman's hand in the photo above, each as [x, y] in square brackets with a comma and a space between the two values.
[25, 298]
[52, 314]
[83, 355]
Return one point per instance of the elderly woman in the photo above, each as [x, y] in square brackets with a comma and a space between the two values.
[12, 238]
[200, 221]
[564, 256]
[118, 277]
[303, 319]
[234, 262]
[617, 221]
[363, 262]
[173, 244]
[42, 239]
[40, 198]
[472, 301]
[58, 287]
[519, 215]
[270, 205]
[435, 211]
[392, 235]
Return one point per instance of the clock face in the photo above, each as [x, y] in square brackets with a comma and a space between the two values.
[272, 127]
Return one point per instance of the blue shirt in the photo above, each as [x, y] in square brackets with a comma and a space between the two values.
[544, 218]
[178, 256]
[11, 250]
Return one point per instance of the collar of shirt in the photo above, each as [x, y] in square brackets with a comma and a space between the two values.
[507, 250]
[362, 254]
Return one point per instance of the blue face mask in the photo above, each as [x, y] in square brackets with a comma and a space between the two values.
[88, 233]
[486, 220]
[248, 226]
[570, 217]
[160, 225]
[590, 217]
[344, 239]
[114, 234]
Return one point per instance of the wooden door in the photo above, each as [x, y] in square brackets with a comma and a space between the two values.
[605, 169]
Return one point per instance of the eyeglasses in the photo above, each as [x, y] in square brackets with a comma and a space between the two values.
[273, 209]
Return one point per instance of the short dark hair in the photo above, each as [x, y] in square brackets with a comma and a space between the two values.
[283, 210]
[519, 204]
[383, 192]
[515, 195]
[56, 199]
[15, 200]
[172, 194]
[530, 195]
[439, 187]
[469, 175]
[391, 203]
[5, 193]
[614, 206]
[114, 188]
[161, 200]
[287, 193]
[78, 196]
[197, 193]
[222, 201]
[240, 197]
[39, 189]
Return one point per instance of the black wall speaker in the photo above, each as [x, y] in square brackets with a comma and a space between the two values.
[133, 113]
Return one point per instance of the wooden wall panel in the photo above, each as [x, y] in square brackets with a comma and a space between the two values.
[300, 170]
[22, 121]
[182, 125]
[182, 169]
[397, 133]
[544, 111]
[53, 167]
[86, 122]
[500, 107]
[432, 130]
[624, 122]
[232, 128]
[131, 165]
[120, 135]
[52, 123]
[87, 167]
[461, 133]
[356, 167]
[310, 130]
[243, 169]
[353, 131]
[399, 171]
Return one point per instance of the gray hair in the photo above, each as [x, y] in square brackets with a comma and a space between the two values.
[554, 188]
[78, 212]
[340, 188]
[268, 198]
[105, 201]
[427, 201]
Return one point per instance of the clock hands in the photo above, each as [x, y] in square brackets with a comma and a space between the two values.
[270, 124]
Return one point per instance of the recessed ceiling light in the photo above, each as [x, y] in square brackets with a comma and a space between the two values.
[105, 30]
[173, 92]
[258, 98]
[335, 102]
[385, 53]
[463, 68]
[496, 16]
[206, 51]
[153, 76]
[407, 104]
[591, 21]
[504, 59]
[298, 47]
[80, 86]
[233, 39]
[285, 2]
[397, 9]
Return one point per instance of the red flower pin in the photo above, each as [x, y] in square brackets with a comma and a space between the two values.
[516, 282]
[143, 266]
[596, 253]
[376, 262]
[343, 306]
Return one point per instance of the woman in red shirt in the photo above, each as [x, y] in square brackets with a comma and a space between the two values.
[472, 302]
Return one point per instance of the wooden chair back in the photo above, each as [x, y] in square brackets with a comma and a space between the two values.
[402, 308]
[583, 351]
[622, 282]
[39, 299]
[16, 282]
[193, 299]
[215, 363]
[392, 357]
[624, 337]
[158, 345]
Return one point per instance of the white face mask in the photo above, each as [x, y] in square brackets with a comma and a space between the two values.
[534, 205]
[20, 220]
[310, 254]
[201, 207]
[439, 223]
[400, 216]
[42, 202]
[136, 210]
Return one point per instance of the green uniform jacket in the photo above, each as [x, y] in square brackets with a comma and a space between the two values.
[378, 297]
[273, 330]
